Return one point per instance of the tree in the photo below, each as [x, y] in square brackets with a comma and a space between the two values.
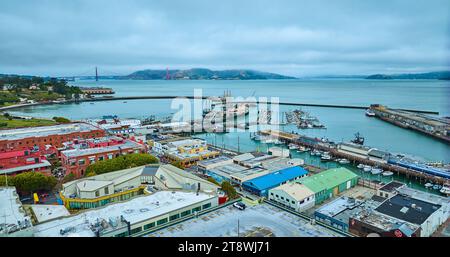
[61, 120]
[32, 181]
[229, 190]
[68, 178]
[120, 163]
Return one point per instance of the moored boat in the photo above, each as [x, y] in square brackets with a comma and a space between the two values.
[387, 173]
[370, 113]
[428, 185]
[445, 189]
[360, 166]
[376, 171]
[344, 161]
[367, 168]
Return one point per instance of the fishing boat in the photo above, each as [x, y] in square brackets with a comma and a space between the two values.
[360, 166]
[325, 157]
[428, 185]
[445, 189]
[376, 171]
[387, 173]
[359, 140]
[370, 113]
[367, 168]
[344, 161]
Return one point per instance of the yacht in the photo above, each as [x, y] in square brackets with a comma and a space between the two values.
[325, 157]
[293, 146]
[428, 185]
[360, 166]
[367, 168]
[387, 173]
[344, 161]
[376, 171]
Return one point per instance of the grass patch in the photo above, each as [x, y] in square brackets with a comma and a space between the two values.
[21, 123]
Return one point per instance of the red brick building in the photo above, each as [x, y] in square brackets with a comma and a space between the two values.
[25, 138]
[81, 153]
[15, 162]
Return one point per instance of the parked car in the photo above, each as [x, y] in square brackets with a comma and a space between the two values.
[239, 205]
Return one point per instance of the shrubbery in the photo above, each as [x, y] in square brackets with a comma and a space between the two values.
[30, 182]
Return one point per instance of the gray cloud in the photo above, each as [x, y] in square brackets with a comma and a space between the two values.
[290, 37]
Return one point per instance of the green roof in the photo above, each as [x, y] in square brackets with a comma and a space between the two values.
[327, 179]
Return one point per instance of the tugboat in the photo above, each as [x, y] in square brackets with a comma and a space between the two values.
[359, 140]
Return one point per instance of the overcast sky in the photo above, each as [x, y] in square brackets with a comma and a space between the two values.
[300, 38]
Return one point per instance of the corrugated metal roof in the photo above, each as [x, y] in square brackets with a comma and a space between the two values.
[275, 178]
[327, 179]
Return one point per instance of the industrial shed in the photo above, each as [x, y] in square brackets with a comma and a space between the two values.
[329, 183]
[261, 185]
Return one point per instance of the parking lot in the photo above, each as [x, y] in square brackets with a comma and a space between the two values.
[261, 220]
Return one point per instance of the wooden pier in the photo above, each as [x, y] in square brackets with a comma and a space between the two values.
[315, 143]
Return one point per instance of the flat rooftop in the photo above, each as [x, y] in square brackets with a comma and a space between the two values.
[136, 210]
[260, 220]
[128, 144]
[48, 212]
[408, 209]
[213, 161]
[11, 210]
[392, 186]
[339, 205]
[63, 129]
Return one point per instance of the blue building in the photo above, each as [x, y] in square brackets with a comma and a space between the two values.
[261, 185]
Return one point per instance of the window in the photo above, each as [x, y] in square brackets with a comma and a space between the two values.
[293, 202]
[174, 217]
[101, 158]
[81, 161]
[185, 213]
[206, 206]
[106, 190]
[97, 193]
[136, 230]
[271, 193]
[110, 156]
[282, 198]
[149, 225]
[124, 234]
[161, 221]
[196, 209]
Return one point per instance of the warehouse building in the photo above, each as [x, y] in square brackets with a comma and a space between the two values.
[206, 165]
[17, 139]
[428, 216]
[261, 185]
[293, 195]
[329, 183]
[136, 217]
[338, 212]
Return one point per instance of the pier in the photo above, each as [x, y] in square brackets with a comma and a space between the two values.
[317, 144]
[126, 98]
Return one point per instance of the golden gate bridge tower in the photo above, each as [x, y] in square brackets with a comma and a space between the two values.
[167, 74]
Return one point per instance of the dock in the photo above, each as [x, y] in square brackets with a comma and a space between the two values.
[432, 126]
[317, 144]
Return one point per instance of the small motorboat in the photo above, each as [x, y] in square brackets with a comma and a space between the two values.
[292, 146]
[437, 187]
[445, 189]
[360, 166]
[367, 168]
[370, 113]
[387, 173]
[428, 185]
[344, 161]
[376, 171]
[325, 157]
[315, 153]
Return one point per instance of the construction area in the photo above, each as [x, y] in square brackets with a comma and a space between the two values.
[262, 220]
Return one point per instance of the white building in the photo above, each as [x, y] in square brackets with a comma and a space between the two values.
[278, 151]
[14, 222]
[293, 195]
[136, 217]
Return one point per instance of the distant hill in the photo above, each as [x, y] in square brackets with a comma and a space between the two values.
[203, 74]
[443, 75]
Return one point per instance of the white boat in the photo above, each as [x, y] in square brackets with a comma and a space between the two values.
[370, 113]
[367, 168]
[292, 146]
[344, 161]
[360, 166]
[445, 189]
[437, 187]
[388, 173]
[315, 153]
[376, 171]
[301, 149]
[325, 157]
[428, 185]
